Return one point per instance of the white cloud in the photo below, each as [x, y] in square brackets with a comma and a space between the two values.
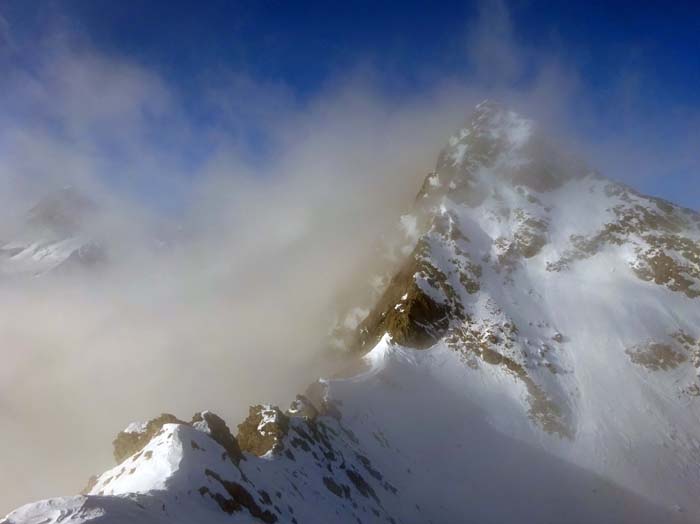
[491, 48]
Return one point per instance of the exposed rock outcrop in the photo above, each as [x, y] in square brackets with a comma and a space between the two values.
[136, 436]
[263, 431]
[215, 427]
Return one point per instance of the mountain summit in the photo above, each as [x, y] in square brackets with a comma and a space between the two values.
[64, 212]
[53, 237]
[533, 359]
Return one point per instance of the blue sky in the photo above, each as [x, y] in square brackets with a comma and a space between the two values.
[627, 74]
[303, 44]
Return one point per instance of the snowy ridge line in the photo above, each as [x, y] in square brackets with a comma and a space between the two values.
[534, 359]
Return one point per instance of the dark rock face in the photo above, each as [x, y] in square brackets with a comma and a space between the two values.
[428, 299]
[90, 484]
[263, 431]
[667, 354]
[303, 408]
[656, 265]
[217, 429]
[656, 356]
[128, 443]
[315, 395]
[418, 321]
[240, 498]
[498, 158]
[421, 301]
[656, 229]
[324, 458]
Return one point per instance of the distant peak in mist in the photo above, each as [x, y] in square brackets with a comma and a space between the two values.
[64, 211]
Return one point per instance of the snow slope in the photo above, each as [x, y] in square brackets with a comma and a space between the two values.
[534, 359]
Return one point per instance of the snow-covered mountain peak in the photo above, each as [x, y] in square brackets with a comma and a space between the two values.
[493, 120]
[534, 357]
[498, 146]
[491, 131]
[532, 267]
[53, 237]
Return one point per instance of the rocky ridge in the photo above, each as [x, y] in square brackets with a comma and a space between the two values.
[538, 302]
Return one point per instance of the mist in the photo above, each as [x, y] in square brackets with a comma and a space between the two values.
[271, 205]
[234, 309]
